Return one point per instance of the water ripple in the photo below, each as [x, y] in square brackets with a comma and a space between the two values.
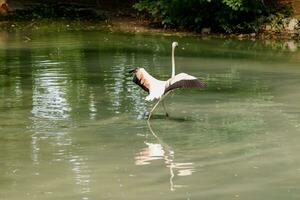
[50, 93]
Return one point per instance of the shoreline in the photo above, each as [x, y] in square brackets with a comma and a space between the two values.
[133, 25]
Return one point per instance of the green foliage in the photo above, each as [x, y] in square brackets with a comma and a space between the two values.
[233, 4]
[220, 15]
[55, 11]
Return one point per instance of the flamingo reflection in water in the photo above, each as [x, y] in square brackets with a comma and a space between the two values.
[162, 151]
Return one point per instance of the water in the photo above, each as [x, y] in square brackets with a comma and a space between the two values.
[73, 125]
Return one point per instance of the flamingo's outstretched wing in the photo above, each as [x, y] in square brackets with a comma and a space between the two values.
[183, 80]
[140, 79]
[154, 87]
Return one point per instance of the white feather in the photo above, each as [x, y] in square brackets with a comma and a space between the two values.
[181, 76]
[157, 87]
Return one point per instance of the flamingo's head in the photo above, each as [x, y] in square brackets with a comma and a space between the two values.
[174, 44]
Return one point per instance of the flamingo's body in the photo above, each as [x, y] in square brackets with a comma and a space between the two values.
[154, 87]
[158, 89]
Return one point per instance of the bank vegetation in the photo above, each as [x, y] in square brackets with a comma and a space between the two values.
[238, 17]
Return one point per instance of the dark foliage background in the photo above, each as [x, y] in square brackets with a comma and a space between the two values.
[219, 15]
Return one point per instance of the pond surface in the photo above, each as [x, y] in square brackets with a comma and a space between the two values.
[73, 125]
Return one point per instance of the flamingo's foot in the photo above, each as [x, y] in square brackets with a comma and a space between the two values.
[146, 115]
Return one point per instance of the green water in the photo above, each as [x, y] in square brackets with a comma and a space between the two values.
[73, 125]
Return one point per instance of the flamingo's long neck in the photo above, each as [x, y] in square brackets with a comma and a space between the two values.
[173, 61]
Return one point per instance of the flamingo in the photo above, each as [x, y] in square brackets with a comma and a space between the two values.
[158, 89]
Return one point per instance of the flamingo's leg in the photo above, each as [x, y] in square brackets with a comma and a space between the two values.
[153, 109]
[161, 99]
[163, 103]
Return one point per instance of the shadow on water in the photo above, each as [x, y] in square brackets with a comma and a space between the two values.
[171, 118]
